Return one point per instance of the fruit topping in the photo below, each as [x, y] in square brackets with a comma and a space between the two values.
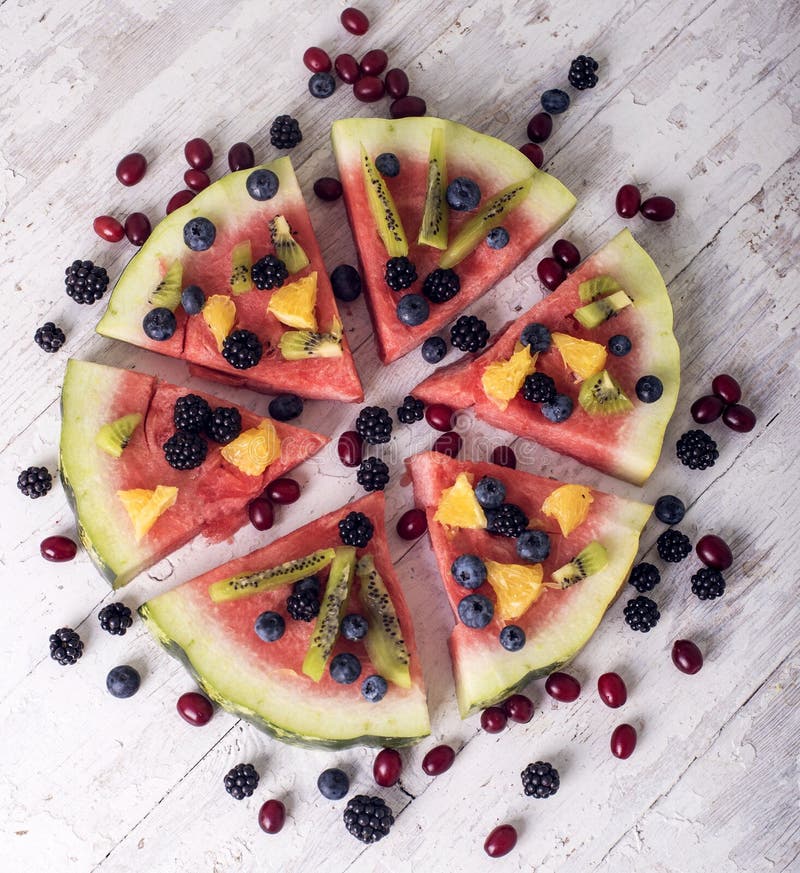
[569, 506]
[294, 304]
[115, 618]
[374, 425]
[219, 313]
[594, 314]
[583, 357]
[501, 841]
[254, 449]
[507, 520]
[497, 238]
[641, 614]
[240, 157]
[539, 388]
[321, 85]
[195, 708]
[441, 285]
[512, 638]
[58, 549]
[400, 273]
[66, 646]
[333, 783]
[346, 283]
[555, 101]
[540, 127]
[649, 389]
[490, 492]
[673, 546]
[696, 450]
[35, 482]
[190, 413]
[412, 410]
[628, 201]
[708, 584]
[387, 767]
[269, 272]
[384, 211]
[199, 234]
[612, 690]
[246, 584]
[623, 741]
[284, 133]
[241, 781]
[459, 507]
[493, 719]
[388, 164]
[619, 345]
[463, 194]
[287, 249]
[193, 300]
[469, 571]
[516, 587]
[658, 208]
[85, 282]
[598, 287]
[317, 60]
[502, 380]
[168, 291]
[270, 626]
[438, 760]
[368, 819]
[355, 529]
[373, 474]
[114, 437]
[533, 545]
[123, 681]
[469, 334]
[582, 72]
[354, 627]
[644, 577]
[354, 21]
[345, 668]
[739, 418]
[145, 506]
[540, 780]
[562, 687]
[601, 395]
[433, 229]
[242, 349]
[297, 344]
[412, 524]
[714, 552]
[396, 83]
[131, 169]
[670, 509]
[475, 611]
[591, 559]
[272, 816]
[687, 657]
[262, 184]
[224, 424]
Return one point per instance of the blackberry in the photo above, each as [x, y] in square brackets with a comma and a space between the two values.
[696, 450]
[185, 451]
[368, 819]
[582, 72]
[65, 646]
[441, 285]
[355, 529]
[641, 614]
[469, 333]
[191, 413]
[539, 388]
[373, 474]
[49, 337]
[400, 274]
[85, 283]
[35, 481]
[285, 132]
[241, 781]
[242, 349]
[540, 779]
[644, 577]
[224, 424]
[269, 272]
[412, 410]
[302, 605]
[374, 425]
[673, 546]
[115, 618]
[708, 584]
[508, 520]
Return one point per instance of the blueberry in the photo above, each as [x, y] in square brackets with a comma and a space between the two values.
[159, 324]
[497, 238]
[346, 283]
[619, 345]
[345, 668]
[387, 164]
[199, 234]
[321, 85]
[310, 584]
[555, 101]
[333, 783]
[557, 410]
[490, 492]
[262, 184]
[123, 681]
[413, 309]
[649, 389]
[533, 545]
[512, 638]
[285, 407]
[537, 336]
[475, 610]
[193, 300]
[270, 626]
[433, 349]
[670, 509]
[354, 627]
[374, 688]
[463, 194]
[469, 571]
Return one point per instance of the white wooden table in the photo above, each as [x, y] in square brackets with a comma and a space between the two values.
[698, 99]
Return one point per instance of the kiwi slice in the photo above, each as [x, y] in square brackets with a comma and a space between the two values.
[384, 211]
[492, 215]
[433, 230]
[594, 314]
[113, 437]
[594, 289]
[384, 641]
[241, 262]
[286, 246]
[590, 560]
[168, 290]
[246, 584]
[331, 612]
[601, 395]
[295, 345]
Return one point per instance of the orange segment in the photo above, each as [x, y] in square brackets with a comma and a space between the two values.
[516, 587]
[145, 506]
[502, 380]
[254, 449]
[220, 314]
[458, 506]
[583, 357]
[293, 304]
[569, 506]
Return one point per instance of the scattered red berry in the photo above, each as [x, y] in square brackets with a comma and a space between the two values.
[628, 201]
[408, 107]
[283, 491]
[533, 153]
[347, 68]
[504, 456]
[566, 253]
[261, 514]
[350, 448]
[108, 228]
[706, 409]
[387, 767]
[396, 82]
[440, 416]
[714, 552]
[438, 760]
[198, 154]
[196, 180]
[368, 89]
[137, 228]
[493, 719]
[551, 274]
[726, 388]
[612, 690]
[131, 169]
[317, 60]
[448, 444]
[739, 418]
[623, 741]
[180, 198]
[412, 524]
[687, 657]
[374, 62]
[540, 127]
[658, 208]
[58, 549]
[327, 188]
[195, 708]
[562, 687]
[519, 708]
[500, 841]
[271, 816]
[241, 157]
[355, 21]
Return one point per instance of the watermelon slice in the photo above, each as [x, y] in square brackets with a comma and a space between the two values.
[559, 622]
[268, 682]
[493, 164]
[626, 444]
[239, 219]
[211, 499]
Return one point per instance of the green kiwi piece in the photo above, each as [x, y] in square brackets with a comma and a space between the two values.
[384, 641]
[295, 345]
[594, 289]
[113, 437]
[168, 290]
[594, 314]
[246, 584]
[241, 262]
[286, 246]
[590, 560]
[601, 395]
[492, 215]
[384, 211]
[331, 612]
[433, 230]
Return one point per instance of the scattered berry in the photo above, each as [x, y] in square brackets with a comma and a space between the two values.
[540, 127]
[317, 60]
[408, 107]
[551, 274]
[562, 687]
[123, 681]
[368, 89]
[198, 154]
[373, 474]
[714, 552]
[623, 741]
[368, 819]
[412, 410]
[642, 614]
[185, 451]
[328, 189]
[387, 767]
[85, 282]
[439, 416]
[260, 513]
[555, 101]
[612, 690]
[533, 153]
[241, 781]
[137, 228]
[58, 549]
[438, 760]
[493, 719]
[670, 509]
[272, 816]
[347, 68]
[285, 132]
[195, 708]
[673, 546]
[241, 157]
[582, 72]
[65, 646]
[658, 208]
[131, 169]
[500, 841]
[412, 524]
[374, 425]
[355, 529]
[346, 283]
[739, 418]
[35, 482]
[696, 450]
[644, 577]
[628, 201]
[397, 84]
[448, 444]
[49, 337]
[469, 334]
[726, 388]
[354, 21]
[687, 657]
[566, 253]
[708, 584]
[333, 783]
[285, 407]
[349, 448]
[108, 228]
[320, 85]
[518, 708]
[115, 618]
[540, 780]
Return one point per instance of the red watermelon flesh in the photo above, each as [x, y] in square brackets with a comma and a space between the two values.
[264, 682]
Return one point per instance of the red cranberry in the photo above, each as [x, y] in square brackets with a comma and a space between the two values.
[196, 180]
[658, 208]
[566, 253]
[198, 154]
[612, 690]
[355, 21]
[707, 408]
[500, 841]
[283, 491]
[328, 188]
[687, 657]
[195, 708]
[714, 552]
[374, 62]
[317, 60]
[408, 107]
[108, 228]
[396, 82]
[448, 444]
[58, 549]
[628, 201]
[347, 68]
[180, 198]
[271, 816]
[562, 687]
[439, 416]
[519, 708]
[623, 741]
[387, 767]
[137, 228]
[533, 153]
[349, 448]
[438, 760]
[241, 157]
[493, 719]
[131, 169]
[551, 274]
[504, 456]
[261, 514]
[540, 127]
[739, 418]
[727, 388]
[368, 89]
[412, 524]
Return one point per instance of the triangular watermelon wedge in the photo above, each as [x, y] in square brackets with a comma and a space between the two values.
[211, 499]
[559, 622]
[265, 682]
[237, 218]
[493, 164]
[627, 444]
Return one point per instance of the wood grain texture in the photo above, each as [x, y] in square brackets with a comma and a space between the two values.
[699, 100]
